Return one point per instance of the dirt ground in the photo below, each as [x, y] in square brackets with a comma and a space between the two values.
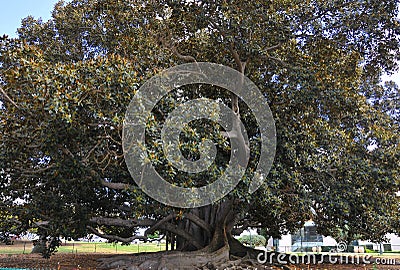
[67, 261]
[344, 267]
[62, 261]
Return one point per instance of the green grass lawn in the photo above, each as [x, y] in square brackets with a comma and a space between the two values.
[20, 247]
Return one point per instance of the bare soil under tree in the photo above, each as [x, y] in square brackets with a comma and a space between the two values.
[68, 261]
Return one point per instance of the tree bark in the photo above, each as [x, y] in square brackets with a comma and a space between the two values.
[210, 226]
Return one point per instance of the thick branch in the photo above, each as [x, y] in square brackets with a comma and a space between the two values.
[236, 129]
[117, 186]
[160, 223]
[179, 232]
[41, 224]
[169, 45]
[186, 58]
[128, 223]
[241, 65]
[115, 237]
[199, 222]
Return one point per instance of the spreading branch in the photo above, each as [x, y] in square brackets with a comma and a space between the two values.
[40, 170]
[128, 223]
[186, 58]
[173, 48]
[116, 186]
[116, 238]
[159, 223]
[162, 225]
[86, 158]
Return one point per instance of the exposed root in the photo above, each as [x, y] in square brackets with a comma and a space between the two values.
[167, 260]
[199, 260]
[223, 252]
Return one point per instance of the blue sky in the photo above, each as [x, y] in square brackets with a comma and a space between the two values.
[13, 11]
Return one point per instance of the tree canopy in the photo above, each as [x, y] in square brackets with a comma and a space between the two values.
[66, 84]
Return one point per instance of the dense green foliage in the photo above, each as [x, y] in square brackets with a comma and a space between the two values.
[253, 240]
[66, 84]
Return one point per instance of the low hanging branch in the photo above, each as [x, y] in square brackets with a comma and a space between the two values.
[162, 225]
[115, 237]
[128, 223]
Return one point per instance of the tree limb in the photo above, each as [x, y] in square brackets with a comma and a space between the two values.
[267, 49]
[117, 186]
[141, 223]
[8, 98]
[159, 223]
[174, 50]
[199, 222]
[41, 224]
[179, 232]
[115, 237]
[86, 158]
[66, 151]
[186, 58]
[241, 65]
[128, 223]
[39, 170]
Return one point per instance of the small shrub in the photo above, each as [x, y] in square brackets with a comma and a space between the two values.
[253, 240]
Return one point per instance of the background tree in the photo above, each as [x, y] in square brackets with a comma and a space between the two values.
[66, 84]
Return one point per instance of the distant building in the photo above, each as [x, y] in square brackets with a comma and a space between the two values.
[307, 237]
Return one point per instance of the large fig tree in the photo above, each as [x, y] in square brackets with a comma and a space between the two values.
[66, 84]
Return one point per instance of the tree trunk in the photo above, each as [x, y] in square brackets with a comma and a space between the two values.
[210, 226]
[40, 245]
